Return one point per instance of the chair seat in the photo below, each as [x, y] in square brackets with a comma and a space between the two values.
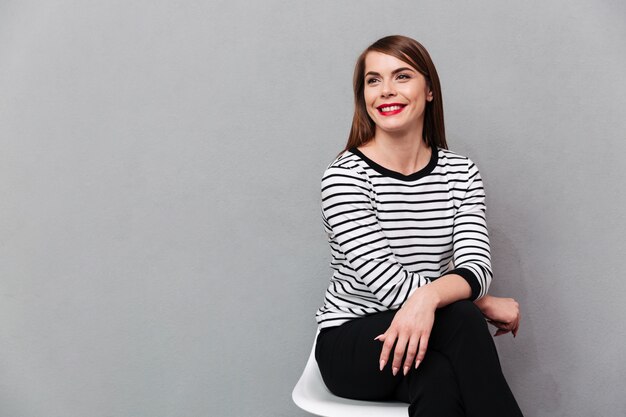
[310, 394]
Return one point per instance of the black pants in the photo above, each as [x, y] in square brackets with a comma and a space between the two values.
[459, 376]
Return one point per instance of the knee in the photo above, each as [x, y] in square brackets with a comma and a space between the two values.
[466, 312]
[466, 308]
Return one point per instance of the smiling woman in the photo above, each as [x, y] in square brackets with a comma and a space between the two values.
[396, 89]
[405, 219]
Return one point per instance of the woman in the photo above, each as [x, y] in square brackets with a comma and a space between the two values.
[404, 315]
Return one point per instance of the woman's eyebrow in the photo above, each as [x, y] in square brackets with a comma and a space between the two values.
[392, 72]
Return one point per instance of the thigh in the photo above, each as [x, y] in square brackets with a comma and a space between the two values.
[348, 358]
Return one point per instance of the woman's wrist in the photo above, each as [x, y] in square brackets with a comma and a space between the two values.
[484, 302]
[425, 296]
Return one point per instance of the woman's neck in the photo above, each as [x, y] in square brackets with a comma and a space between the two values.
[403, 153]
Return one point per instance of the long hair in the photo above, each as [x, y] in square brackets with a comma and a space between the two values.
[414, 54]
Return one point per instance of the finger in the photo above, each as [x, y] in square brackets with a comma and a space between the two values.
[384, 353]
[519, 319]
[513, 326]
[500, 332]
[421, 352]
[380, 337]
[410, 353]
[399, 354]
[503, 324]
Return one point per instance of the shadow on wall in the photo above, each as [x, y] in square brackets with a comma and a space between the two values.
[536, 390]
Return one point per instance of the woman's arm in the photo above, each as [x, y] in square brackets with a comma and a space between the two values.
[503, 313]
[472, 253]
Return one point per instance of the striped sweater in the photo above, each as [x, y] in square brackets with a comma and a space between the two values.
[391, 233]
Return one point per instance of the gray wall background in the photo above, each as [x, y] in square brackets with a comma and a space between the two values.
[161, 250]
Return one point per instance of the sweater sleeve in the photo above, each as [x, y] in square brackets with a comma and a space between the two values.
[472, 257]
[351, 222]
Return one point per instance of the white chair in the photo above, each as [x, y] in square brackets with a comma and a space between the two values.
[310, 394]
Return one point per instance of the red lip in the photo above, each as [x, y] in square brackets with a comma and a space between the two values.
[390, 113]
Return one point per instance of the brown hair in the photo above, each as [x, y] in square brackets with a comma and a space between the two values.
[414, 54]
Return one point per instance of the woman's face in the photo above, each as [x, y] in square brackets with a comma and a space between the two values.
[395, 93]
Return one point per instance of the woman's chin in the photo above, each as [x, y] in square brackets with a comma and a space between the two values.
[395, 130]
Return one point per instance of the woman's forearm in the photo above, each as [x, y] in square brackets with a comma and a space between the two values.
[443, 291]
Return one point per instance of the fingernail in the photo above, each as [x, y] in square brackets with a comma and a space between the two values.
[395, 371]
[417, 363]
[406, 370]
[382, 364]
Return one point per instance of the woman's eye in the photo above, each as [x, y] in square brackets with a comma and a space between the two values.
[404, 76]
[371, 80]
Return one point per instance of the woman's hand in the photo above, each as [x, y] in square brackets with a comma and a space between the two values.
[501, 312]
[411, 327]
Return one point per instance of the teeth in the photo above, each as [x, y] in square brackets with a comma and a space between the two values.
[390, 108]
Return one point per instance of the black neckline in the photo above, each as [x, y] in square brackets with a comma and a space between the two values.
[398, 175]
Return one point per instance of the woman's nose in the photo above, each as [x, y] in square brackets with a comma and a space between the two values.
[387, 89]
